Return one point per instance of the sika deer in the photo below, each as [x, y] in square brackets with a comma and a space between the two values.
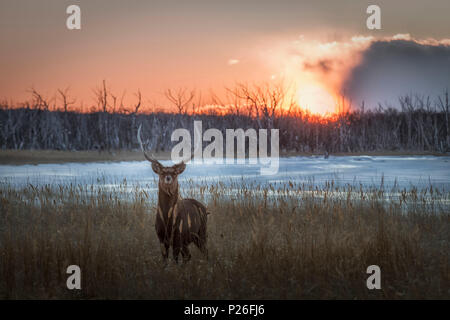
[178, 221]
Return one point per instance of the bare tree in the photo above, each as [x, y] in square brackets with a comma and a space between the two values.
[420, 124]
[39, 100]
[65, 99]
[180, 98]
[263, 101]
[101, 95]
[444, 105]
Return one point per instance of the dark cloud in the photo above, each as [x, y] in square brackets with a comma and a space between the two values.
[323, 66]
[389, 69]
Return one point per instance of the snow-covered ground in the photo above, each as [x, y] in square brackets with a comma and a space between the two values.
[402, 171]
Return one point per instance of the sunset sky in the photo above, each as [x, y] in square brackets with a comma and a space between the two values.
[323, 47]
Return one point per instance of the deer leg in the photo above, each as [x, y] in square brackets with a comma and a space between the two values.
[176, 246]
[163, 241]
[185, 253]
[176, 251]
[203, 250]
[201, 245]
[201, 241]
[164, 251]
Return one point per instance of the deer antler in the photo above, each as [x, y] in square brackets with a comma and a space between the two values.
[151, 157]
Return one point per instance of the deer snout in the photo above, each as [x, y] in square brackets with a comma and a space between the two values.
[168, 179]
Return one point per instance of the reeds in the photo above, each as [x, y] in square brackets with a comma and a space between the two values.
[285, 241]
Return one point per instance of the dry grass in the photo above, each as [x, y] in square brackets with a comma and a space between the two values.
[19, 157]
[279, 242]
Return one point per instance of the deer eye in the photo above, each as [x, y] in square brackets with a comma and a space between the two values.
[168, 179]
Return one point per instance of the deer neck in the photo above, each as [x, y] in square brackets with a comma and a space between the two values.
[167, 201]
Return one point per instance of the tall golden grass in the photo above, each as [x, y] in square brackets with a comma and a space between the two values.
[276, 242]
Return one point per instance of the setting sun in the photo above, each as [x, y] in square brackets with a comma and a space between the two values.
[315, 99]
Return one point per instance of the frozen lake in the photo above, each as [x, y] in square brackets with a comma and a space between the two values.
[401, 171]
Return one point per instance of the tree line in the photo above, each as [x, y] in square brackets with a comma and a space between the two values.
[417, 123]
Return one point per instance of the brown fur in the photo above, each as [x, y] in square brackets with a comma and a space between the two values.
[178, 221]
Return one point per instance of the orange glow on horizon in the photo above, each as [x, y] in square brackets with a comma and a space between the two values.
[311, 71]
[316, 99]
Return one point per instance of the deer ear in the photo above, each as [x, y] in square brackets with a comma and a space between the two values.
[156, 166]
[179, 168]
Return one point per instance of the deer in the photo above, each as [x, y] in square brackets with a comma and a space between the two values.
[179, 222]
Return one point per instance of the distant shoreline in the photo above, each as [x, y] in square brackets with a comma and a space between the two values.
[20, 157]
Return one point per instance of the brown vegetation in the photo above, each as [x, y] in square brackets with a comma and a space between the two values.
[282, 242]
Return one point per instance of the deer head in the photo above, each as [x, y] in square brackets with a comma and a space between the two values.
[168, 176]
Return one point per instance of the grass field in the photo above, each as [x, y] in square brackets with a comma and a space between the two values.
[289, 242]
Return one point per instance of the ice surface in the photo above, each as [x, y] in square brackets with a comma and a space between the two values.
[404, 172]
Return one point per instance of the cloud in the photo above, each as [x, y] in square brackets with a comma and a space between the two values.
[309, 61]
[402, 36]
[233, 62]
[365, 68]
[362, 39]
[393, 67]
[321, 65]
